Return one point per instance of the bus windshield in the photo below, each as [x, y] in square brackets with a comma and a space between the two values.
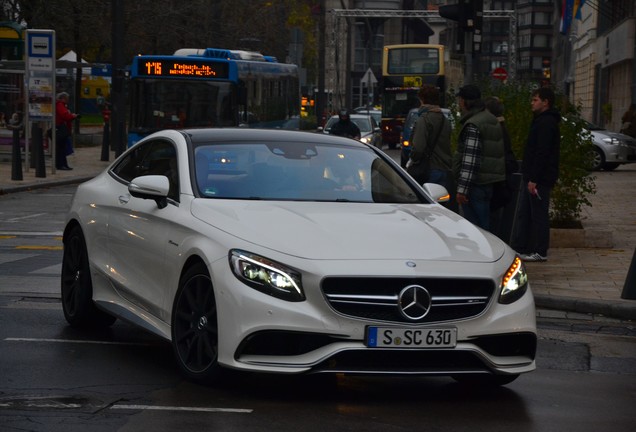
[163, 104]
[403, 61]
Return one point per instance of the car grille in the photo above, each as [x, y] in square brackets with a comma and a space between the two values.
[377, 298]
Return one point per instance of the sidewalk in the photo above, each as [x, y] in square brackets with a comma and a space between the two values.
[585, 280]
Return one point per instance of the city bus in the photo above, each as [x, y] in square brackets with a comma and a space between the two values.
[210, 88]
[404, 69]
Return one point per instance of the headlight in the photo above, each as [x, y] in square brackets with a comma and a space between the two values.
[514, 283]
[364, 140]
[611, 141]
[266, 276]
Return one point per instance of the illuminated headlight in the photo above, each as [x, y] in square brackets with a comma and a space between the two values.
[514, 283]
[364, 140]
[405, 143]
[267, 276]
[611, 141]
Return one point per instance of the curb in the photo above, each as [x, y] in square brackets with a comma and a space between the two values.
[623, 310]
[42, 185]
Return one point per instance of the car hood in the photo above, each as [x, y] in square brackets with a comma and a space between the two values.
[318, 230]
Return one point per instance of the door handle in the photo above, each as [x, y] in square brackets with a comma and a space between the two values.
[123, 199]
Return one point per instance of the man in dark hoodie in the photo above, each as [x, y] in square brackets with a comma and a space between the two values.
[345, 127]
[540, 169]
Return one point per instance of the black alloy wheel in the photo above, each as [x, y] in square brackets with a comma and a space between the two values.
[77, 286]
[194, 326]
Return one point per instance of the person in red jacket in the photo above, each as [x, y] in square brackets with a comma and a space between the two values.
[63, 124]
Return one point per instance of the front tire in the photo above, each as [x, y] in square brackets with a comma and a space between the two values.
[77, 285]
[598, 159]
[610, 166]
[195, 326]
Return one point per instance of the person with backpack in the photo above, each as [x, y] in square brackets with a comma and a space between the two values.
[430, 158]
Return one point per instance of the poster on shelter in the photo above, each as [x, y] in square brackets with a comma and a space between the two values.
[40, 98]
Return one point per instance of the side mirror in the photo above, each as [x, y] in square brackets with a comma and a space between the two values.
[154, 187]
[437, 192]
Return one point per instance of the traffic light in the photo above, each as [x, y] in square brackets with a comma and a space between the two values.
[467, 13]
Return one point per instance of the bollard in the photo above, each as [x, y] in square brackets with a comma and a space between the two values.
[38, 150]
[16, 157]
[629, 289]
[105, 141]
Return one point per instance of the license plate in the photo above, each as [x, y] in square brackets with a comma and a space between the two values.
[396, 337]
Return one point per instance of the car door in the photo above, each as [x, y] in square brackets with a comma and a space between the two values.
[139, 230]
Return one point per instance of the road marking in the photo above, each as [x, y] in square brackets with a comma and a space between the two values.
[176, 408]
[55, 269]
[31, 216]
[37, 247]
[32, 233]
[75, 341]
[73, 403]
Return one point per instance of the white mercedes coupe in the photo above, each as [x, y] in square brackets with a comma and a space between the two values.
[293, 252]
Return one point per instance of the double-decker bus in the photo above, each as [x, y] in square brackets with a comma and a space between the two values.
[404, 69]
[210, 88]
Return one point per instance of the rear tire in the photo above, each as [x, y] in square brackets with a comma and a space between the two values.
[195, 327]
[77, 285]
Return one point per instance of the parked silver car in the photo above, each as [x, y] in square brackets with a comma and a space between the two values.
[611, 149]
[369, 128]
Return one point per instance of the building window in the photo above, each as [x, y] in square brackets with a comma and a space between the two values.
[525, 19]
[542, 18]
[494, 64]
[524, 41]
[541, 41]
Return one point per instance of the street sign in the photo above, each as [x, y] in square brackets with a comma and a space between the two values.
[40, 49]
[368, 78]
[500, 74]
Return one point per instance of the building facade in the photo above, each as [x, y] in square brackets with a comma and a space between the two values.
[593, 61]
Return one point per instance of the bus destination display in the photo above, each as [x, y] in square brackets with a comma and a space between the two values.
[183, 68]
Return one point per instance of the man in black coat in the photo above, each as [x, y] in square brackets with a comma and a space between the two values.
[540, 169]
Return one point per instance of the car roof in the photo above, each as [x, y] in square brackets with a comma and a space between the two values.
[206, 135]
[355, 115]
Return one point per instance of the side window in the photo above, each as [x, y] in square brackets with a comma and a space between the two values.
[151, 158]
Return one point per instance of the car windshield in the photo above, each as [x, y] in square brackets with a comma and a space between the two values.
[593, 127]
[299, 171]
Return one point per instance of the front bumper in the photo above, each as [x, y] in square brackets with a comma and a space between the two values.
[260, 333]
